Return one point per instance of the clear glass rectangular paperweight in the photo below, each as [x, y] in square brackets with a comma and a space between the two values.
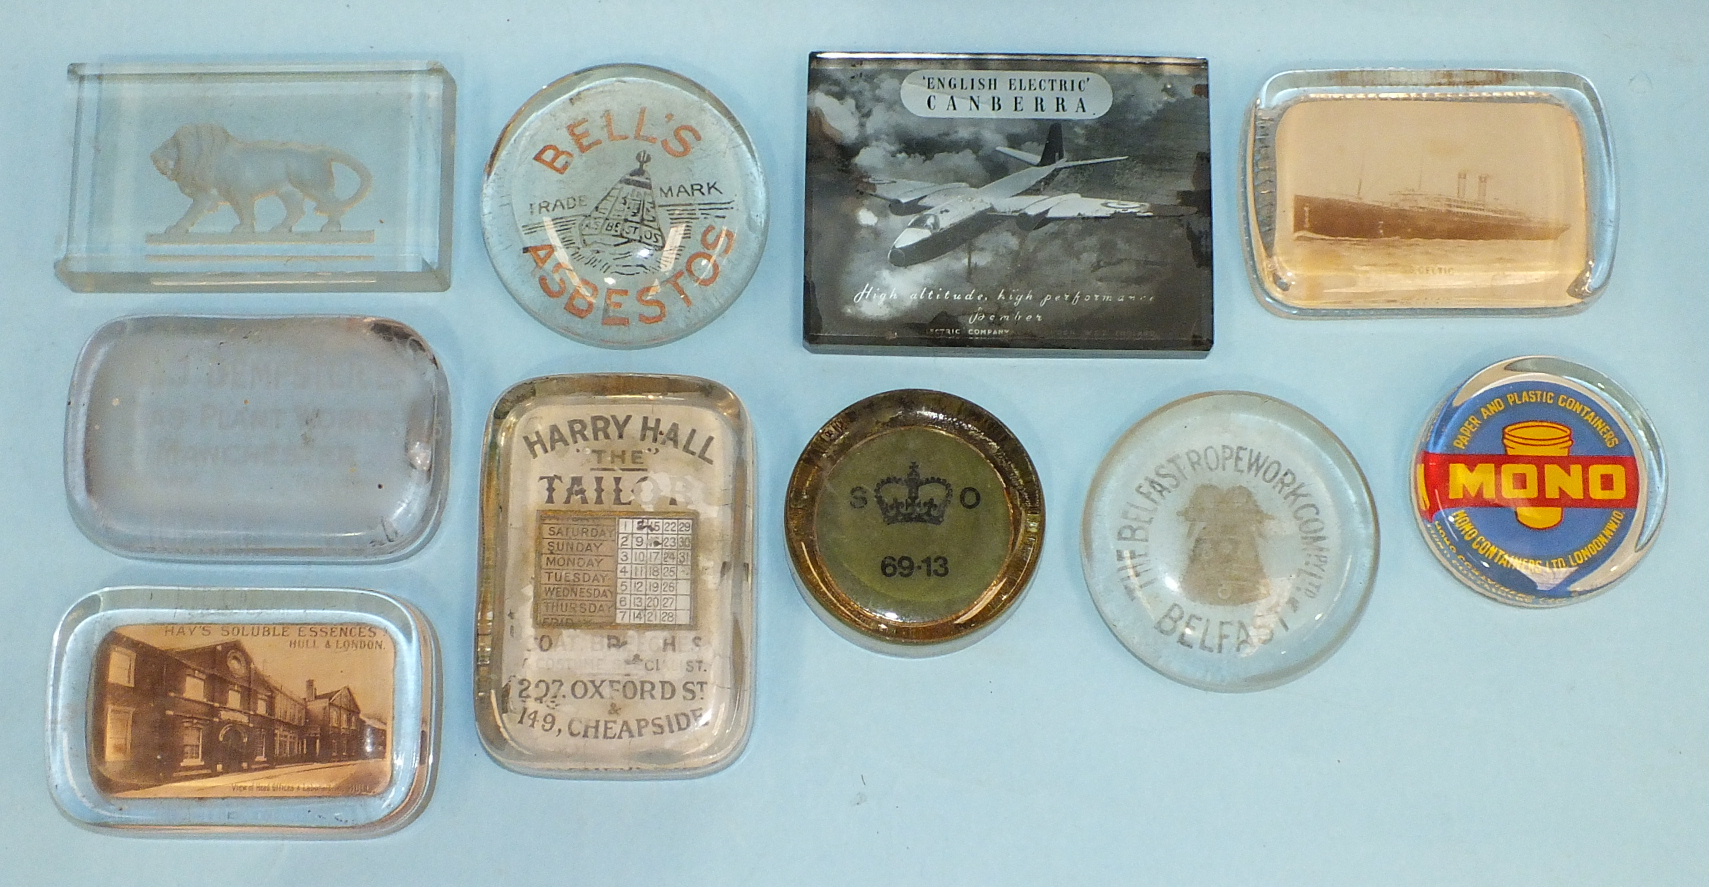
[232, 177]
[1428, 192]
[257, 438]
[308, 712]
[614, 632]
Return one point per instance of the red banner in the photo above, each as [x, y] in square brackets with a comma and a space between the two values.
[1494, 480]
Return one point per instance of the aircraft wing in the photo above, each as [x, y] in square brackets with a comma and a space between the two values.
[925, 194]
[1074, 206]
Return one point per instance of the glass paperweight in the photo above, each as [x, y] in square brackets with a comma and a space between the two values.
[914, 520]
[305, 712]
[624, 206]
[1000, 203]
[257, 438]
[1539, 482]
[1229, 541]
[229, 177]
[614, 632]
[1428, 191]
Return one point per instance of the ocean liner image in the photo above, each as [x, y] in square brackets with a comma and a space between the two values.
[1418, 215]
[1421, 205]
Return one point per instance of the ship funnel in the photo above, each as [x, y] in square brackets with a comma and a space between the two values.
[1460, 187]
[1483, 187]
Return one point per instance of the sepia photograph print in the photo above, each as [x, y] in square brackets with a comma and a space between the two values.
[1428, 196]
[242, 710]
[1052, 203]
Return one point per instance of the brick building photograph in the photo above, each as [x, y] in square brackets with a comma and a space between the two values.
[215, 710]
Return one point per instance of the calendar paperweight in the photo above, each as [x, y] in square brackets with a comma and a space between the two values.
[975, 203]
[257, 438]
[624, 206]
[233, 177]
[1539, 482]
[258, 712]
[1428, 191]
[914, 520]
[614, 631]
[1229, 541]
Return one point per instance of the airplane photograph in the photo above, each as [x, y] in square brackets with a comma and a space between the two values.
[952, 214]
[1025, 203]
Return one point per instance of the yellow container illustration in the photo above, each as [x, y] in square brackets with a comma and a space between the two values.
[1538, 439]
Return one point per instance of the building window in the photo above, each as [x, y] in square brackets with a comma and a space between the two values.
[267, 705]
[121, 666]
[234, 697]
[190, 737]
[194, 686]
[119, 733]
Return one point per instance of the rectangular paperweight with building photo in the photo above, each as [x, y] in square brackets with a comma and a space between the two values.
[309, 712]
[974, 203]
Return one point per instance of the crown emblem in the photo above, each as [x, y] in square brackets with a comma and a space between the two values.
[912, 499]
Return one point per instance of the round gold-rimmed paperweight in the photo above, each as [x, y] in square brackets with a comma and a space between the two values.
[914, 520]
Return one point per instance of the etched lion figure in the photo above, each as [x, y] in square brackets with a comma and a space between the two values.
[212, 166]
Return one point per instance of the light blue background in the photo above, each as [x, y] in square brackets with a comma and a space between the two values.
[1452, 740]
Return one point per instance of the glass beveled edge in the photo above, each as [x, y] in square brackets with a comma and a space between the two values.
[431, 277]
[970, 424]
[220, 65]
[86, 370]
[1097, 58]
[718, 397]
[1364, 566]
[507, 241]
[1646, 445]
[1571, 91]
[415, 699]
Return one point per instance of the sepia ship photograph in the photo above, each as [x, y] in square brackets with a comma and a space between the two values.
[242, 711]
[1384, 202]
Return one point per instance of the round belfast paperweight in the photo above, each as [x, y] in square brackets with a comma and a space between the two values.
[914, 520]
[1539, 482]
[1229, 541]
[624, 206]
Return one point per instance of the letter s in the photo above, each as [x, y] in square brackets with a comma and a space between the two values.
[682, 146]
[719, 240]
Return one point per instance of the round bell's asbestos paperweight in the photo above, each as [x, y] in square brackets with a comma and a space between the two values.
[1539, 482]
[914, 520]
[624, 206]
[1229, 541]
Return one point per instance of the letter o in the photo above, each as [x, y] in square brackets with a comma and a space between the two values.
[1513, 475]
[709, 260]
[1607, 481]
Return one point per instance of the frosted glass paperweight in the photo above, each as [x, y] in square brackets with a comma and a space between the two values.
[230, 177]
[272, 712]
[257, 438]
[614, 633]
[1399, 191]
[1230, 541]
